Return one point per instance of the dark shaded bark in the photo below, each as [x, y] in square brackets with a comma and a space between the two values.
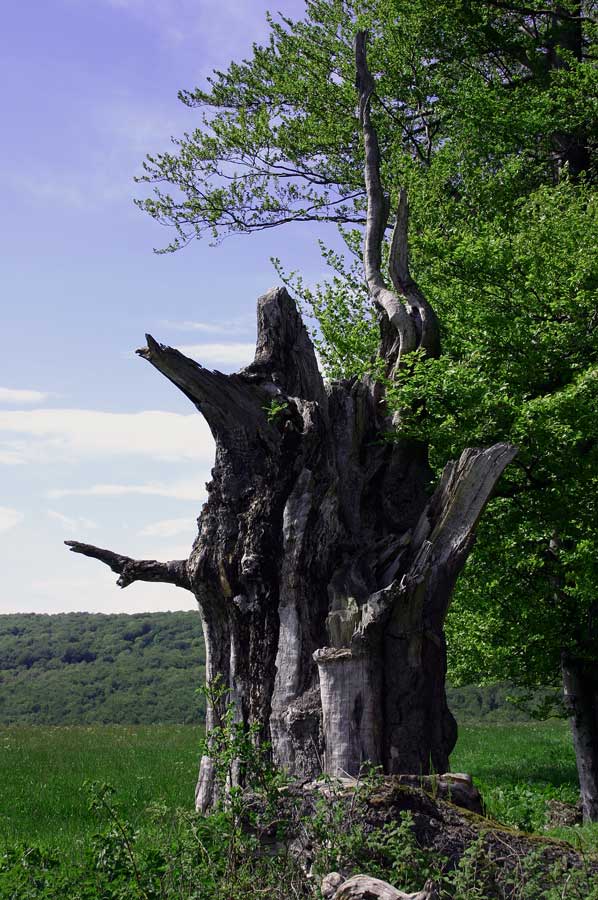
[324, 565]
[580, 684]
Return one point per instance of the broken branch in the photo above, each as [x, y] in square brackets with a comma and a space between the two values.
[225, 400]
[130, 570]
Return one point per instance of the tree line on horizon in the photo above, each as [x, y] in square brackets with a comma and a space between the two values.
[91, 668]
[146, 668]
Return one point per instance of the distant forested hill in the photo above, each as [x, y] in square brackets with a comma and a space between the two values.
[84, 668]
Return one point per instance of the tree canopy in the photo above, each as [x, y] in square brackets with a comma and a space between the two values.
[464, 88]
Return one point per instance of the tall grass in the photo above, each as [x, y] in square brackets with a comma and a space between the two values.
[509, 754]
[518, 768]
[43, 770]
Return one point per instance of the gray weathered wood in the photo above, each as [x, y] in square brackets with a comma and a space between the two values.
[408, 311]
[130, 570]
[363, 887]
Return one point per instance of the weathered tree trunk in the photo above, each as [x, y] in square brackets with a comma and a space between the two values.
[324, 564]
[580, 684]
[323, 569]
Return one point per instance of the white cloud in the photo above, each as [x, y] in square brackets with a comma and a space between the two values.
[12, 453]
[237, 354]
[176, 551]
[191, 489]
[170, 528]
[242, 324]
[117, 134]
[14, 395]
[73, 523]
[52, 435]
[9, 518]
[83, 190]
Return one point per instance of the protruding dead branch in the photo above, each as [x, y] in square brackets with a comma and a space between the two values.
[225, 400]
[449, 521]
[130, 570]
[407, 309]
[284, 365]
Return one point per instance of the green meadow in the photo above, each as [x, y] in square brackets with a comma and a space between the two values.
[44, 772]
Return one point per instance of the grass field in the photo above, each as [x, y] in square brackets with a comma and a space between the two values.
[43, 771]
[518, 767]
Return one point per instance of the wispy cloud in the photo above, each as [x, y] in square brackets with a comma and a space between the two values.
[87, 189]
[72, 523]
[242, 325]
[116, 134]
[17, 395]
[167, 528]
[113, 135]
[191, 489]
[52, 435]
[9, 517]
[233, 354]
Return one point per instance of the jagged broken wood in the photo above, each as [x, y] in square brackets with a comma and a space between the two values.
[324, 564]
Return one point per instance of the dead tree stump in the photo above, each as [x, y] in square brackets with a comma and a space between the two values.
[325, 562]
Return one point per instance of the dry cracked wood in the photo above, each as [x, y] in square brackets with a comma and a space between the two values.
[362, 887]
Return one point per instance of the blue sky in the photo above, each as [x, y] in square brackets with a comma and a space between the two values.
[94, 444]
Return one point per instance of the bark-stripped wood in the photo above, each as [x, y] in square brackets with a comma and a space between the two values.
[363, 887]
[406, 307]
[324, 565]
